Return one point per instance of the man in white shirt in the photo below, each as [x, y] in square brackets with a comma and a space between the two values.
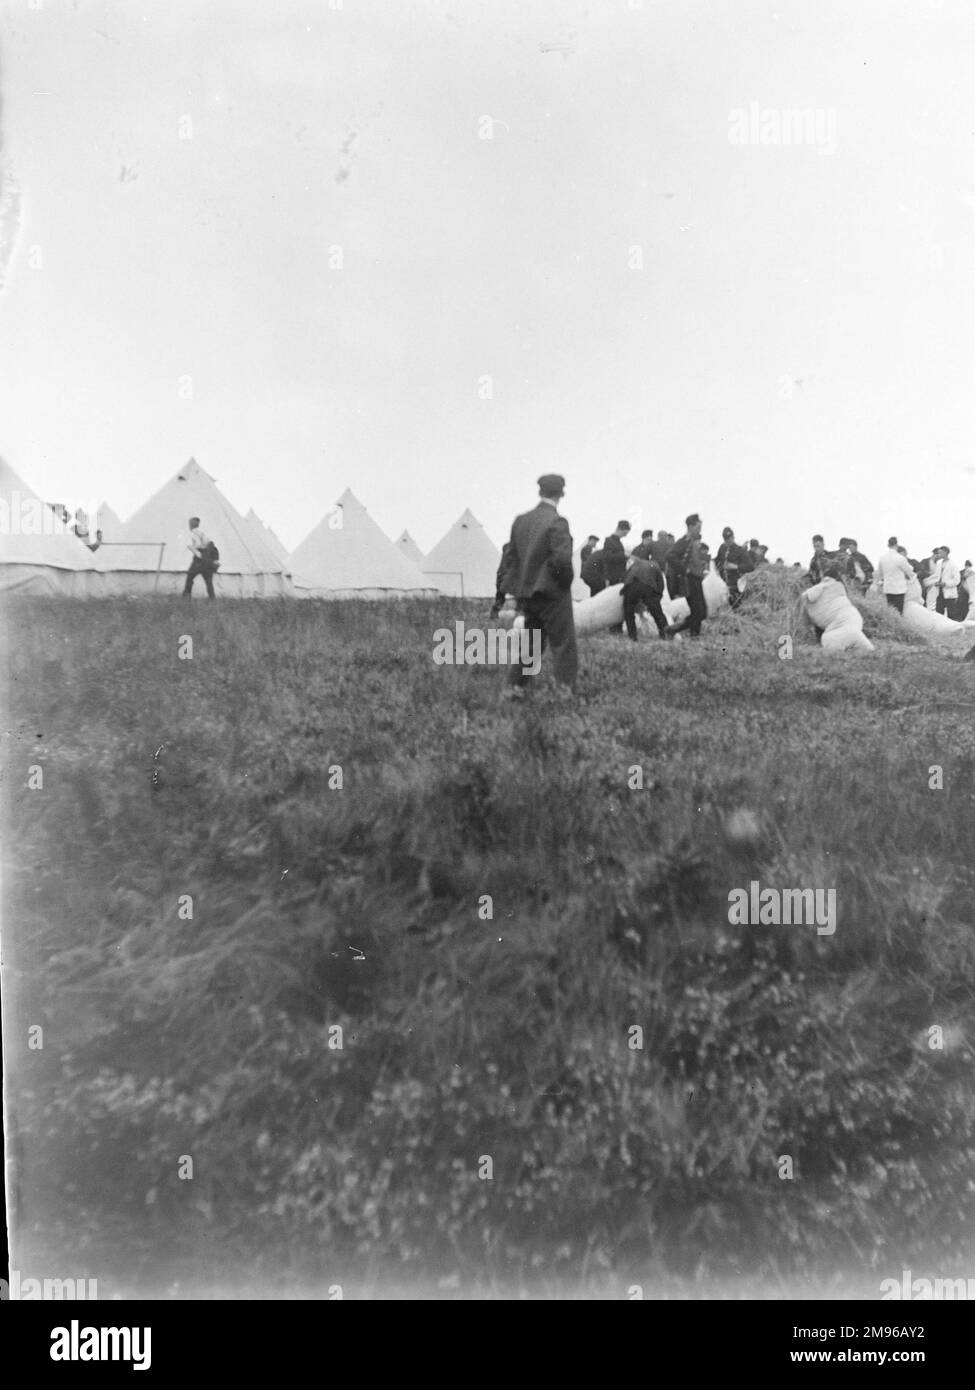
[893, 575]
[201, 562]
[931, 577]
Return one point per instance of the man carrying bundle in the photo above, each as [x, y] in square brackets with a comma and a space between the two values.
[644, 584]
[205, 560]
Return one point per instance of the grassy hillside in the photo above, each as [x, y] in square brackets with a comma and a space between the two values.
[464, 1036]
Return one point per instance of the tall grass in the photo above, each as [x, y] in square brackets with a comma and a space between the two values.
[467, 1036]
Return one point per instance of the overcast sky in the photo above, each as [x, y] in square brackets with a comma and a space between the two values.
[360, 289]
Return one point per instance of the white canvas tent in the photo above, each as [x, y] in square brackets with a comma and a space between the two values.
[38, 555]
[348, 555]
[106, 521]
[248, 567]
[408, 547]
[464, 562]
[268, 537]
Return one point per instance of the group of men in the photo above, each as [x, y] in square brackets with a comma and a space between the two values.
[936, 581]
[537, 570]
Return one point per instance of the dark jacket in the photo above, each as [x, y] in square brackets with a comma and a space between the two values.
[539, 554]
[732, 560]
[645, 576]
[658, 551]
[614, 560]
[593, 570]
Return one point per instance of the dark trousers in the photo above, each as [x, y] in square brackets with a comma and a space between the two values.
[696, 603]
[199, 566]
[895, 601]
[734, 594]
[552, 618]
[941, 605]
[633, 596]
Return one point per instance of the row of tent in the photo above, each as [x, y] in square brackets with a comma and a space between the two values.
[345, 555]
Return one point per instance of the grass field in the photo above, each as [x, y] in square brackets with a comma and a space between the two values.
[468, 1037]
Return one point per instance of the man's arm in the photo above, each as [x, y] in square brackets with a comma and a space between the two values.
[508, 568]
[560, 553]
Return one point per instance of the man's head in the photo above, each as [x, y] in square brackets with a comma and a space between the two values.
[902, 550]
[763, 550]
[727, 534]
[892, 542]
[592, 540]
[945, 551]
[693, 524]
[194, 522]
[819, 545]
[552, 486]
[646, 535]
[622, 528]
[753, 543]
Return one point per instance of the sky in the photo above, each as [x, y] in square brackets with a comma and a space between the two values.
[431, 249]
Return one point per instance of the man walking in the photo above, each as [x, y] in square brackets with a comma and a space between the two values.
[644, 583]
[688, 560]
[539, 574]
[202, 562]
[894, 573]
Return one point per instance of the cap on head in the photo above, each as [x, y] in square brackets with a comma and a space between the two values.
[819, 539]
[727, 533]
[646, 535]
[622, 526]
[551, 485]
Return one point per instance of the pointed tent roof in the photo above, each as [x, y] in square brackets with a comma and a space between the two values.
[348, 553]
[192, 492]
[32, 536]
[267, 536]
[108, 522]
[408, 546]
[464, 551]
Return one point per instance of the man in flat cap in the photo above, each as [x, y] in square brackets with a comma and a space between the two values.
[539, 573]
